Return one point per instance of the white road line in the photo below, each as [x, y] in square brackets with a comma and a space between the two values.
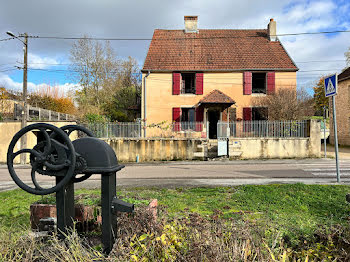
[325, 169]
[331, 174]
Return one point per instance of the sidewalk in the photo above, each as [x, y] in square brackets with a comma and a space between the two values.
[344, 152]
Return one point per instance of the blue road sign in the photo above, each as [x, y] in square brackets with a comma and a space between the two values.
[330, 85]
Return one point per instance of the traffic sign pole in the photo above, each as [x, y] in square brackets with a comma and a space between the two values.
[330, 89]
[335, 139]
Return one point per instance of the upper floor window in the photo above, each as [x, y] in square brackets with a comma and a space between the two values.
[188, 83]
[258, 83]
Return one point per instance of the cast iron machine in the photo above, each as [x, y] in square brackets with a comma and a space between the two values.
[56, 155]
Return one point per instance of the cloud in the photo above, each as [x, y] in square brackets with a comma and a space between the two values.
[10, 84]
[116, 18]
[37, 62]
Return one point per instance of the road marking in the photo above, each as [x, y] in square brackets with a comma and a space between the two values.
[330, 174]
[325, 169]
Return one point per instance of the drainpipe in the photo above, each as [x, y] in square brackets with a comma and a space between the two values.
[144, 103]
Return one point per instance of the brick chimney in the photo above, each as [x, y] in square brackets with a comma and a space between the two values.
[191, 24]
[271, 30]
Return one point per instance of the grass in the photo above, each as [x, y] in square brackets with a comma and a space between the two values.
[296, 210]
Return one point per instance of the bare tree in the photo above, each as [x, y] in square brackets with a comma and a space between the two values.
[286, 104]
[95, 66]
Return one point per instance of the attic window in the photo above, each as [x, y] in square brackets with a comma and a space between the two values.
[188, 85]
[258, 83]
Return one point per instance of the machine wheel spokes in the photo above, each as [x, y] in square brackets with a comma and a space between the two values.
[52, 156]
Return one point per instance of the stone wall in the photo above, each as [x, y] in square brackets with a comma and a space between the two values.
[342, 105]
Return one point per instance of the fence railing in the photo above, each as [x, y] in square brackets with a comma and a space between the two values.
[39, 114]
[275, 129]
[237, 129]
[118, 130]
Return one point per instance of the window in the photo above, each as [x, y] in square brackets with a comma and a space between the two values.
[258, 83]
[187, 118]
[259, 113]
[188, 83]
[232, 114]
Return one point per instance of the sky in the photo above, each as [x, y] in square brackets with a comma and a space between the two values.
[48, 59]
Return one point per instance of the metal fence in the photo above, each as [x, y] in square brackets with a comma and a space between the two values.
[275, 129]
[39, 114]
[118, 130]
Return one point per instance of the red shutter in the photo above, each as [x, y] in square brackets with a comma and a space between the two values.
[270, 83]
[177, 118]
[199, 83]
[247, 83]
[176, 83]
[247, 113]
[199, 118]
[247, 116]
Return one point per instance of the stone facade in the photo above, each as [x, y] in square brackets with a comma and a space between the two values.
[342, 104]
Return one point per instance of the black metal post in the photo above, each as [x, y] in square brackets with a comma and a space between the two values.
[108, 191]
[65, 207]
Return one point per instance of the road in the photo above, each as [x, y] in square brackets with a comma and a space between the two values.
[208, 173]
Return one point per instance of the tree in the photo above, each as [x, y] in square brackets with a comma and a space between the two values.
[286, 104]
[320, 100]
[347, 56]
[95, 66]
[52, 98]
[109, 86]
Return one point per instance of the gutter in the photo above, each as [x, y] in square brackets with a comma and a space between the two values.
[223, 70]
[144, 103]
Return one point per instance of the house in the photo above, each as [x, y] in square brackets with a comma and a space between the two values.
[342, 102]
[197, 77]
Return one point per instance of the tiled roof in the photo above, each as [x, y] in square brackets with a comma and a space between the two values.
[175, 50]
[344, 75]
[218, 97]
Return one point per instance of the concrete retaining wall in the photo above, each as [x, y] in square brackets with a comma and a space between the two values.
[160, 149]
[252, 148]
[127, 150]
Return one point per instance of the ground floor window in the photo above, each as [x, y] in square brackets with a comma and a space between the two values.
[259, 113]
[187, 119]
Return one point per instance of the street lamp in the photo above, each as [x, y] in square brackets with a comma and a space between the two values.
[24, 97]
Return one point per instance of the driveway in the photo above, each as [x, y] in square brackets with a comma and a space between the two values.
[207, 173]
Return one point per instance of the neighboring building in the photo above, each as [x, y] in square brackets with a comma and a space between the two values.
[207, 75]
[342, 104]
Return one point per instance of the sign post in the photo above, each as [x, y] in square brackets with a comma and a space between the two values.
[330, 85]
[324, 132]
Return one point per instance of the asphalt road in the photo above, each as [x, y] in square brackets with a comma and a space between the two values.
[207, 173]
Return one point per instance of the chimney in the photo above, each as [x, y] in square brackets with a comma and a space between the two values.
[271, 30]
[191, 24]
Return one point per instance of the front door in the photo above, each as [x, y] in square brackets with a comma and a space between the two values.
[213, 118]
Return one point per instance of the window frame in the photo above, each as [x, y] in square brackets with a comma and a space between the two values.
[183, 84]
[265, 83]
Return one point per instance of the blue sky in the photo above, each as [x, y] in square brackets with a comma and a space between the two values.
[138, 19]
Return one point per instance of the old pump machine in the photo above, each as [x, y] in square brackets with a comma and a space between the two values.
[56, 155]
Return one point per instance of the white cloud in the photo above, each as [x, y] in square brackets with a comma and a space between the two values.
[8, 83]
[38, 62]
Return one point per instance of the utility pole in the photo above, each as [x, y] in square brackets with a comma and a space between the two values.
[25, 109]
[24, 113]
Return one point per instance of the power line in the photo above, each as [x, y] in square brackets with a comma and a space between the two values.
[59, 64]
[180, 38]
[7, 39]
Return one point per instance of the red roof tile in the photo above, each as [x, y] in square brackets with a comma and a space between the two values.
[218, 97]
[175, 50]
[344, 75]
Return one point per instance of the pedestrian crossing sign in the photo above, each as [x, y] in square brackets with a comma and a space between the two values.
[330, 85]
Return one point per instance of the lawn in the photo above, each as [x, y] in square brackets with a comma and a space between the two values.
[295, 211]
